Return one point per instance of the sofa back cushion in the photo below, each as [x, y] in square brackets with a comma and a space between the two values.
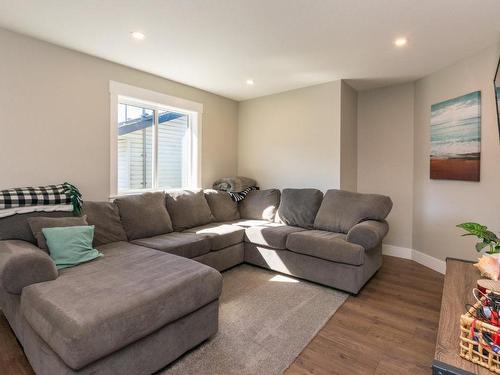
[16, 227]
[260, 204]
[341, 210]
[38, 223]
[188, 209]
[144, 215]
[105, 217]
[223, 207]
[299, 207]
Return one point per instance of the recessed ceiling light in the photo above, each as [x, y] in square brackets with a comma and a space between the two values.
[250, 82]
[138, 35]
[401, 42]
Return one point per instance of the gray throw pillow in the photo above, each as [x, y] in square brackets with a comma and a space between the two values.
[223, 207]
[260, 205]
[299, 207]
[38, 223]
[105, 216]
[341, 210]
[144, 215]
[188, 209]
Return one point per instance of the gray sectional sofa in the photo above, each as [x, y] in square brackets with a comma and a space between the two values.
[154, 294]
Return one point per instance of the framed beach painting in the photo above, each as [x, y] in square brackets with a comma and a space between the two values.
[456, 138]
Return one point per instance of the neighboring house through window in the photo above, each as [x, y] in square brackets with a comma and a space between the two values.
[155, 141]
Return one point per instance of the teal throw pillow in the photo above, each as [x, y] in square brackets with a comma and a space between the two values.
[70, 246]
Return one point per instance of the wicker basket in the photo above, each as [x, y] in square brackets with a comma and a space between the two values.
[473, 350]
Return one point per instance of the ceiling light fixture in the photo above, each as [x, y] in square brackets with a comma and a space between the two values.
[250, 82]
[138, 35]
[401, 42]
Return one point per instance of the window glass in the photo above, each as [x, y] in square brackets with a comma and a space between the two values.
[173, 150]
[135, 147]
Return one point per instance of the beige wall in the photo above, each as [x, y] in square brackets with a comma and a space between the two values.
[54, 127]
[385, 154]
[440, 205]
[393, 159]
[292, 139]
[348, 136]
[54, 117]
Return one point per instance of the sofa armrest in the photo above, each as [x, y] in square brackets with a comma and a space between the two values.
[23, 264]
[368, 233]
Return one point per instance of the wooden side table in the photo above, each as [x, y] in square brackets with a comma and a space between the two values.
[460, 279]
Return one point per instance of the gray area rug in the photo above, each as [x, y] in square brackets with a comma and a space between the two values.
[266, 320]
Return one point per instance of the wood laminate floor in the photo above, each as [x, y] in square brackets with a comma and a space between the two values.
[389, 328]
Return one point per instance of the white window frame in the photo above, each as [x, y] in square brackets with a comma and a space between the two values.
[127, 94]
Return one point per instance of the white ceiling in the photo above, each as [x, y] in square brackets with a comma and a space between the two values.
[217, 45]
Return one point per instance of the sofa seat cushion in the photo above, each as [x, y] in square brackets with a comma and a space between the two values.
[326, 245]
[221, 235]
[96, 308]
[188, 245]
[272, 235]
[245, 223]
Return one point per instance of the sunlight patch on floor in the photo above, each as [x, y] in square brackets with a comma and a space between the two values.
[283, 279]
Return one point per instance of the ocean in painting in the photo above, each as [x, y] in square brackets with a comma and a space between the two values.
[456, 127]
[456, 138]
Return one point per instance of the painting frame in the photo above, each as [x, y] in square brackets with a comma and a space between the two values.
[496, 89]
[456, 138]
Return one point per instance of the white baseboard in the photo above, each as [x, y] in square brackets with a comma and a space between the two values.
[430, 262]
[397, 251]
[415, 255]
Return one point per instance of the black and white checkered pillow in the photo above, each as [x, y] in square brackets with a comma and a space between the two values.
[34, 196]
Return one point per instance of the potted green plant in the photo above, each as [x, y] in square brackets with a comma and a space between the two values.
[489, 263]
[487, 239]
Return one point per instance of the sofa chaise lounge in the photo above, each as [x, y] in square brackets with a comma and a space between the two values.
[154, 294]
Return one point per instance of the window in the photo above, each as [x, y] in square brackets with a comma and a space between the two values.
[135, 147]
[154, 141]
